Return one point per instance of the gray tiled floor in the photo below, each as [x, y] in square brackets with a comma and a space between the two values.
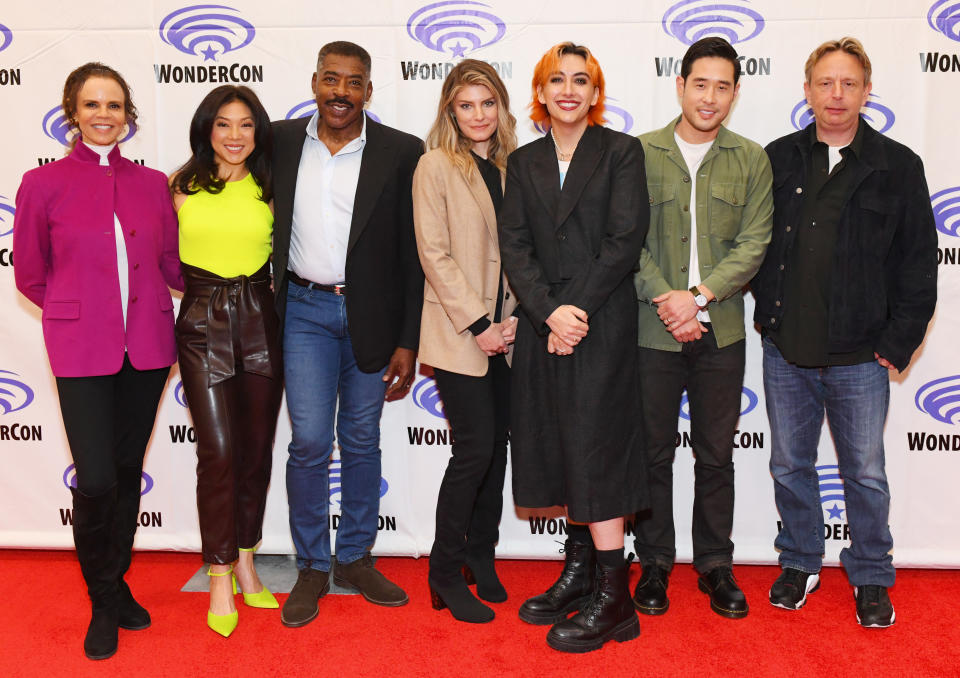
[278, 573]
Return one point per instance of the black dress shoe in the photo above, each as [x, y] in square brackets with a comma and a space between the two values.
[874, 609]
[569, 592]
[608, 615]
[726, 598]
[650, 596]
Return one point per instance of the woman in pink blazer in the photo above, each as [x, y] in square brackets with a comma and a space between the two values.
[96, 242]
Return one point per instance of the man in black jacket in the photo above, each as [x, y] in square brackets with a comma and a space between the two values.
[843, 298]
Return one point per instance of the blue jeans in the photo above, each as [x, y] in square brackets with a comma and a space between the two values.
[319, 365]
[855, 399]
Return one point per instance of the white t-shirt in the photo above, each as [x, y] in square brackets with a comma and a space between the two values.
[693, 155]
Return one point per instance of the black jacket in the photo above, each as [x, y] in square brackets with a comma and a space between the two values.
[884, 276]
[383, 275]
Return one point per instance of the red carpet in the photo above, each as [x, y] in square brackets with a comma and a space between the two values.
[45, 612]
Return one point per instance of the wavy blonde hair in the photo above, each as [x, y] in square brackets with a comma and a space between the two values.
[851, 46]
[445, 134]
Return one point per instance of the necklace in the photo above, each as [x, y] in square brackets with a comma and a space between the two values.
[563, 157]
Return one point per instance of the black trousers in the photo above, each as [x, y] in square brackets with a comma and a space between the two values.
[470, 501]
[713, 379]
[108, 420]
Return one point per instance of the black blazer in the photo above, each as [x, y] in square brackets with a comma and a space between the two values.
[577, 245]
[383, 275]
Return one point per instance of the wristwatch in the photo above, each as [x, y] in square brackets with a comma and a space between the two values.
[699, 298]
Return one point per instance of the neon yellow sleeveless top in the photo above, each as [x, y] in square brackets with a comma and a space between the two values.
[227, 233]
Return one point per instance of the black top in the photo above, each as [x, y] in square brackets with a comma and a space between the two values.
[802, 337]
[491, 177]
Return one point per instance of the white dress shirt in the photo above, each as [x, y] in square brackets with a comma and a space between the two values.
[323, 207]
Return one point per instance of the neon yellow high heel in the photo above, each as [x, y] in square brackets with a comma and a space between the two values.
[262, 599]
[224, 624]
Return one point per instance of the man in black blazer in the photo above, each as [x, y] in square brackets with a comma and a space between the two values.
[349, 293]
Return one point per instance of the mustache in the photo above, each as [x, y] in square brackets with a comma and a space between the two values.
[339, 100]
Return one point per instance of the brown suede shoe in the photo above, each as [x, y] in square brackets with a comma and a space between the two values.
[362, 576]
[301, 606]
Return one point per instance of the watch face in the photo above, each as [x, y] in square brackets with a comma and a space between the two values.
[701, 300]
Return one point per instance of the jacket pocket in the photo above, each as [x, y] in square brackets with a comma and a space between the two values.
[61, 310]
[166, 302]
[726, 210]
[661, 209]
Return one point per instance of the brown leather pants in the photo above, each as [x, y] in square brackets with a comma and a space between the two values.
[230, 363]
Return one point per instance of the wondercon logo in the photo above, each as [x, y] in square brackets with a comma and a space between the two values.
[455, 26]
[56, 126]
[831, 489]
[946, 210]
[335, 476]
[179, 395]
[6, 37]
[70, 480]
[206, 30]
[14, 394]
[940, 399]
[748, 402]
[7, 211]
[691, 20]
[306, 109]
[621, 120]
[878, 115]
[426, 396]
[943, 17]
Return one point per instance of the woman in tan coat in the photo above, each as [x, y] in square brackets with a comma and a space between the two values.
[467, 327]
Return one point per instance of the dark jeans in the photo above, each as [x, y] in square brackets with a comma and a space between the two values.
[108, 420]
[714, 381]
[470, 500]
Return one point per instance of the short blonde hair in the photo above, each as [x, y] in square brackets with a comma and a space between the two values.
[445, 133]
[851, 46]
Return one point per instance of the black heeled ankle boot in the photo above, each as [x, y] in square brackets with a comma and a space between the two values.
[481, 570]
[573, 588]
[462, 604]
[609, 615]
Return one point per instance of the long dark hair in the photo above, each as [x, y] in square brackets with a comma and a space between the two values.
[200, 171]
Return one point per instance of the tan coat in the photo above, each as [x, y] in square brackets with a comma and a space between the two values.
[457, 240]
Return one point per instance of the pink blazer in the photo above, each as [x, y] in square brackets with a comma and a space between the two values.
[66, 262]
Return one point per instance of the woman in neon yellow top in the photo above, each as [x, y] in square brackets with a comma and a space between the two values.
[228, 336]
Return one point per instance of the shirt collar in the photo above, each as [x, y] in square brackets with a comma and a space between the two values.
[856, 146]
[351, 146]
[84, 153]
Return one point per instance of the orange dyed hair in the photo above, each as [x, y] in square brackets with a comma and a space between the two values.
[550, 63]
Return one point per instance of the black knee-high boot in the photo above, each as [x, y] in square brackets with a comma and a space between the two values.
[93, 525]
[132, 615]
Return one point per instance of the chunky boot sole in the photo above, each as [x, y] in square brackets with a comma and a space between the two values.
[626, 630]
[723, 612]
[652, 611]
[544, 618]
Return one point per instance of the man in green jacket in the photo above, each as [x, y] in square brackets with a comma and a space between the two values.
[710, 219]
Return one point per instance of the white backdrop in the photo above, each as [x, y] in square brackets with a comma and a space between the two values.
[171, 52]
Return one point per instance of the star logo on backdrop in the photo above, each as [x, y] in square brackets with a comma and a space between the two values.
[835, 512]
[209, 54]
[458, 50]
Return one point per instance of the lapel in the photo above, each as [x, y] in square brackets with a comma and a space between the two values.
[288, 152]
[478, 189]
[375, 167]
[584, 164]
[545, 173]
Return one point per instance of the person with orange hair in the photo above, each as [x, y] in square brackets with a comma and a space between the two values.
[573, 222]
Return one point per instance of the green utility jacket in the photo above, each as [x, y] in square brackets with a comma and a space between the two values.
[734, 217]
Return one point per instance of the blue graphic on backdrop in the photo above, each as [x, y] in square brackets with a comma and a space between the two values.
[179, 395]
[306, 109]
[6, 37]
[691, 20]
[940, 399]
[14, 394]
[875, 113]
[748, 402]
[944, 17]
[56, 127]
[206, 30]
[946, 210]
[615, 117]
[455, 26]
[7, 211]
[426, 396]
[831, 490]
[70, 480]
[336, 485]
